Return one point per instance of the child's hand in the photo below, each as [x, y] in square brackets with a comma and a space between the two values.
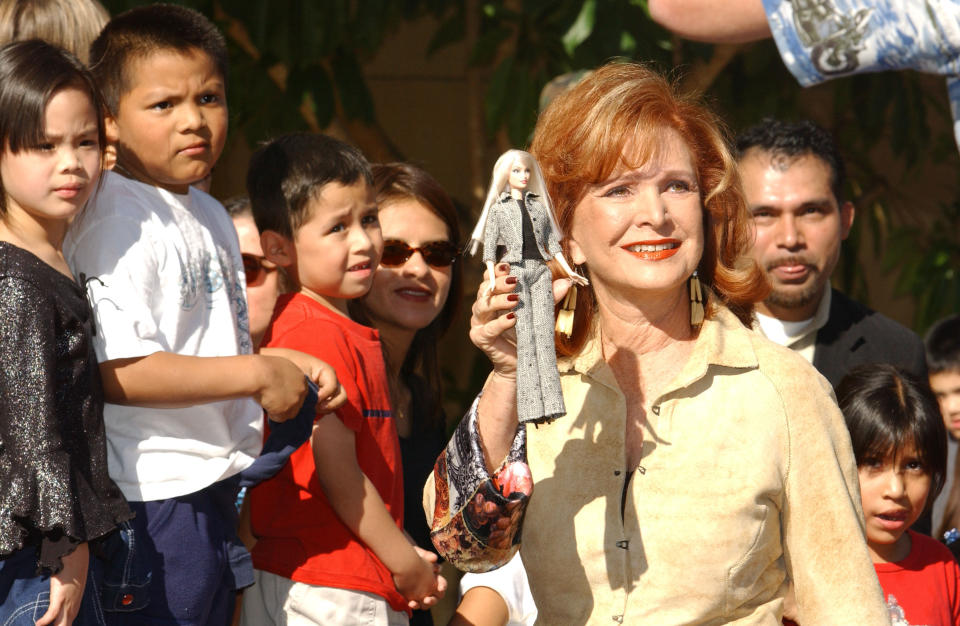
[330, 392]
[441, 582]
[420, 583]
[66, 589]
[282, 388]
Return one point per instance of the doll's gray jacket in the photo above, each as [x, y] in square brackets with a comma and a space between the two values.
[504, 227]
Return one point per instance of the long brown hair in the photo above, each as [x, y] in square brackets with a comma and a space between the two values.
[579, 141]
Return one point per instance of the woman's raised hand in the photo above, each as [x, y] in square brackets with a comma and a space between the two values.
[492, 321]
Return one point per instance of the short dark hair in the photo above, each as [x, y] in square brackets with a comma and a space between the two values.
[31, 73]
[942, 344]
[143, 31]
[287, 172]
[796, 139]
[886, 408]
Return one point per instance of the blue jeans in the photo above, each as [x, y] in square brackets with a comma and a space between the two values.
[25, 595]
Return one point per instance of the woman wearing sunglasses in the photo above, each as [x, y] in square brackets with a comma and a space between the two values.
[412, 302]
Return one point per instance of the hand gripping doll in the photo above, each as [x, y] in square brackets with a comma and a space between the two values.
[518, 216]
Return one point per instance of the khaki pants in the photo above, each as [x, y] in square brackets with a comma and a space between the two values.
[275, 600]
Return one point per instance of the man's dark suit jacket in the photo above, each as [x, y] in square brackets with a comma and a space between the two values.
[855, 335]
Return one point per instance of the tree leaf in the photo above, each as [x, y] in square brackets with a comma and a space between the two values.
[581, 27]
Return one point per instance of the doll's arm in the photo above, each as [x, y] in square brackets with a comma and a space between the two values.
[577, 278]
[488, 290]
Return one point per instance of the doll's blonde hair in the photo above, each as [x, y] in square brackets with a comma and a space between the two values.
[498, 184]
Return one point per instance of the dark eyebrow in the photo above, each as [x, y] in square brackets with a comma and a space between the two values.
[819, 203]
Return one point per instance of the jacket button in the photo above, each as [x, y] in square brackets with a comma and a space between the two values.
[624, 544]
[616, 472]
[126, 599]
[656, 409]
[617, 618]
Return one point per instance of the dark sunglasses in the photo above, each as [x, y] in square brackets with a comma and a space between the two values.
[256, 268]
[435, 253]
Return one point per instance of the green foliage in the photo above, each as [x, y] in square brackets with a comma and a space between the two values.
[927, 264]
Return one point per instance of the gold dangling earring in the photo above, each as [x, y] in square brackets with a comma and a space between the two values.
[565, 316]
[696, 300]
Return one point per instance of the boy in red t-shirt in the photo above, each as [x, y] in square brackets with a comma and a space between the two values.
[330, 546]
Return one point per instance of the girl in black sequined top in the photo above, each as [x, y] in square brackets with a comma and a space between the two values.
[55, 493]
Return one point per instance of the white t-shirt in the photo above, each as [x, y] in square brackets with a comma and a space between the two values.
[801, 337]
[163, 273]
[510, 582]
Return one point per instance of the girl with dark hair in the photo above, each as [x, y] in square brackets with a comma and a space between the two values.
[899, 442]
[412, 303]
[55, 494]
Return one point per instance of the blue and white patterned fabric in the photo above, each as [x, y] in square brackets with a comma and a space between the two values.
[823, 39]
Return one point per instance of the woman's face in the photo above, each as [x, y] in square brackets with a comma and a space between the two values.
[641, 231]
[409, 296]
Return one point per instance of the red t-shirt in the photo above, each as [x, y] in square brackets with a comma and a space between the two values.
[301, 537]
[924, 588]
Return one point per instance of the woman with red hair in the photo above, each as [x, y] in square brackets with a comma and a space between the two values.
[700, 469]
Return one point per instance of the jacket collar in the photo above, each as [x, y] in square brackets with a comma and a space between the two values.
[526, 194]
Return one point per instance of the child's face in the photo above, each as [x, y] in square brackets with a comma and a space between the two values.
[946, 386]
[338, 247]
[52, 181]
[894, 493]
[172, 121]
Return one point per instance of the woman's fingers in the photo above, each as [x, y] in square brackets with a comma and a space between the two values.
[560, 288]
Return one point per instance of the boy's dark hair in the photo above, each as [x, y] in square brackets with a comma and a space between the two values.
[288, 171]
[143, 31]
[31, 73]
[942, 345]
[886, 408]
[796, 139]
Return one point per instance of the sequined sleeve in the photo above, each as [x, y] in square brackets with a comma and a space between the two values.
[54, 488]
[476, 517]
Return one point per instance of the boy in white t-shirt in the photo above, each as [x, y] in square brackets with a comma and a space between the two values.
[163, 271]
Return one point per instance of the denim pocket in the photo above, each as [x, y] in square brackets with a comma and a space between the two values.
[126, 571]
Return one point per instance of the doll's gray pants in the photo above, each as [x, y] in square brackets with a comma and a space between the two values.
[539, 396]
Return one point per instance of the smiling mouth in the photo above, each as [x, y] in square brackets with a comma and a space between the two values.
[359, 267]
[410, 292]
[654, 250]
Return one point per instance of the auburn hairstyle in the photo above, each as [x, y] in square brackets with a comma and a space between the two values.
[580, 141]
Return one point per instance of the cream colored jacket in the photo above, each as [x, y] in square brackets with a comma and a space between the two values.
[747, 481]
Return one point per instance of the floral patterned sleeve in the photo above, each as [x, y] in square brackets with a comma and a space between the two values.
[476, 517]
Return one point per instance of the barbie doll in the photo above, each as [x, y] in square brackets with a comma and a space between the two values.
[518, 216]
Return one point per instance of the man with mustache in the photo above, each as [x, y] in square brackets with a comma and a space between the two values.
[793, 179]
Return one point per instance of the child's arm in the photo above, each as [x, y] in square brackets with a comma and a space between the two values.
[66, 589]
[168, 380]
[359, 506]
